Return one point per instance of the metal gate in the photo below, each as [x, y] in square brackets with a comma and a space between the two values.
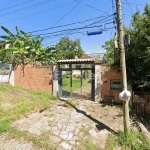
[77, 81]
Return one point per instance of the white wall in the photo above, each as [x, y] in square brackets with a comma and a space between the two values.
[97, 82]
[9, 77]
[4, 78]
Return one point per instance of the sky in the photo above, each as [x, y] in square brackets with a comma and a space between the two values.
[54, 19]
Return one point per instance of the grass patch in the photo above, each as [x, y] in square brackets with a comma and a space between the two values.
[4, 126]
[17, 102]
[22, 101]
[133, 140]
[88, 145]
[42, 142]
[76, 83]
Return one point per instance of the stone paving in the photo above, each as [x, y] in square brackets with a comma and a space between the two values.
[15, 144]
[67, 124]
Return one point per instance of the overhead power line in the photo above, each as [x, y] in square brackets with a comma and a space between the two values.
[25, 8]
[90, 6]
[66, 30]
[66, 34]
[86, 26]
[73, 31]
[36, 13]
[16, 5]
[90, 24]
[66, 14]
[130, 6]
[81, 21]
[133, 3]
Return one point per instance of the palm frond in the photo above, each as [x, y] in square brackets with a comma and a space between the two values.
[7, 31]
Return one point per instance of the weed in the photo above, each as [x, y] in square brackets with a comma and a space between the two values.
[111, 142]
[42, 142]
[21, 106]
[87, 145]
[131, 140]
[24, 101]
[4, 126]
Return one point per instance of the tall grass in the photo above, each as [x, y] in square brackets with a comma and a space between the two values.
[133, 140]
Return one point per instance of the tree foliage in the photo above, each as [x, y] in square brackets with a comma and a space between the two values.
[68, 49]
[109, 56]
[138, 52]
[24, 48]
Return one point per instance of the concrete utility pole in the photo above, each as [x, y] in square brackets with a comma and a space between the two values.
[122, 64]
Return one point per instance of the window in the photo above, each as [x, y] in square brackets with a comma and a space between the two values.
[115, 84]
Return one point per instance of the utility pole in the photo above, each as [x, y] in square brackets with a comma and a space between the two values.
[122, 64]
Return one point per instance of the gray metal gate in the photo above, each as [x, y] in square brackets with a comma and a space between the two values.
[76, 81]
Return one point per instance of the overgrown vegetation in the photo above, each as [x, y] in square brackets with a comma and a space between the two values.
[133, 140]
[138, 52]
[22, 48]
[16, 102]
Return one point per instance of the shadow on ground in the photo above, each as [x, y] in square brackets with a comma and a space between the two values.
[99, 126]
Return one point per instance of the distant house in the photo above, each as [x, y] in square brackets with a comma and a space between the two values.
[96, 55]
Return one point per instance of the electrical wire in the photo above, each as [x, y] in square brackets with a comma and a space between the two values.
[31, 6]
[69, 31]
[93, 23]
[81, 21]
[130, 6]
[114, 21]
[126, 9]
[71, 34]
[66, 14]
[132, 3]
[91, 6]
[87, 26]
[16, 5]
[36, 13]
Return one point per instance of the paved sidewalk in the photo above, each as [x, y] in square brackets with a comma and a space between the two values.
[15, 144]
[67, 124]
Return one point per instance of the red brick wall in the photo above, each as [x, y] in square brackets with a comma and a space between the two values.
[108, 73]
[36, 78]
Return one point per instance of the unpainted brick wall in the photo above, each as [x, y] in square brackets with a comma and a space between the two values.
[36, 78]
[108, 73]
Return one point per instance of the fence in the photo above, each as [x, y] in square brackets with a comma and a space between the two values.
[141, 104]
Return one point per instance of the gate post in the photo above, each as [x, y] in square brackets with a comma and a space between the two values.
[93, 82]
[55, 80]
[97, 82]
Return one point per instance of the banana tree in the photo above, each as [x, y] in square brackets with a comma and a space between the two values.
[26, 48]
[21, 45]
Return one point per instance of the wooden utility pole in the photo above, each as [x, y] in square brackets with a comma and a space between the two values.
[122, 64]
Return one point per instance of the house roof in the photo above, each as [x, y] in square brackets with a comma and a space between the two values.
[86, 56]
[76, 61]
